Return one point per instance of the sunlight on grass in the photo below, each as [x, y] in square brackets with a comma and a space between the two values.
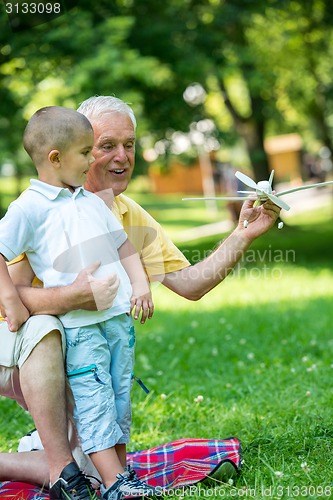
[260, 353]
[317, 216]
[254, 286]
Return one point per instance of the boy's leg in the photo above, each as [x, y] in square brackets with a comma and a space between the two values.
[99, 366]
[88, 366]
[121, 340]
[108, 465]
[122, 454]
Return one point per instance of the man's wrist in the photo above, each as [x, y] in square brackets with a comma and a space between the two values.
[242, 238]
[71, 297]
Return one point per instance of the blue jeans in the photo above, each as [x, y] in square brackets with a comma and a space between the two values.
[100, 361]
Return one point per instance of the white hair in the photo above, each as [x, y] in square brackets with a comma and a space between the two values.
[96, 106]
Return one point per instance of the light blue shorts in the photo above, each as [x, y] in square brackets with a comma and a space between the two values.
[100, 362]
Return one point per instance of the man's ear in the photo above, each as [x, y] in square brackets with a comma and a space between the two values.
[54, 157]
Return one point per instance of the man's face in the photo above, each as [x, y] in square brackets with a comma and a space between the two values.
[114, 153]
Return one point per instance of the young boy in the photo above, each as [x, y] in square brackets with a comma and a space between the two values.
[62, 228]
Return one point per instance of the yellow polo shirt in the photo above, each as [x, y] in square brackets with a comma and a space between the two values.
[157, 252]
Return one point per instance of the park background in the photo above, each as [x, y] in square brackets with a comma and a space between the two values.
[212, 83]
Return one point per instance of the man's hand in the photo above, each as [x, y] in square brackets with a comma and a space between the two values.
[94, 294]
[260, 218]
[107, 195]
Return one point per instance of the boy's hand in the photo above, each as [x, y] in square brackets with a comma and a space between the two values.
[142, 302]
[15, 314]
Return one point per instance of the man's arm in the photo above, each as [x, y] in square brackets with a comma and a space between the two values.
[86, 292]
[193, 282]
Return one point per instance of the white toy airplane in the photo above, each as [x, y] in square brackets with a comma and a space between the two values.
[262, 191]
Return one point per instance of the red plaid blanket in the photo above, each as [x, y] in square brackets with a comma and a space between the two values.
[179, 463]
[183, 462]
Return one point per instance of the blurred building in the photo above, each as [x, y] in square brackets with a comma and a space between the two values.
[178, 178]
[284, 154]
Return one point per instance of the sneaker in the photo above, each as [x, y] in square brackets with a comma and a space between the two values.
[72, 485]
[128, 485]
[112, 493]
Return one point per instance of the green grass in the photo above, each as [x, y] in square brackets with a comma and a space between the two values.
[258, 348]
[261, 355]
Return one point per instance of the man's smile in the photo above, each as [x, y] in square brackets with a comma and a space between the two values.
[118, 171]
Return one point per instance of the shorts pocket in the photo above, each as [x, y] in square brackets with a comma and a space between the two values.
[85, 371]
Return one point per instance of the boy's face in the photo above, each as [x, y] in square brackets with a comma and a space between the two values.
[76, 160]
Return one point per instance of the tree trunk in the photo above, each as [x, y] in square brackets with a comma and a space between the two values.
[251, 132]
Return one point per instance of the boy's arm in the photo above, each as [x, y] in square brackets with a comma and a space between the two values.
[141, 295]
[12, 308]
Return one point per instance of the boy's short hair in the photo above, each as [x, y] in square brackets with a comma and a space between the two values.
[53, 127]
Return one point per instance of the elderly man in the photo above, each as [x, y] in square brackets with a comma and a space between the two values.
[38, 381]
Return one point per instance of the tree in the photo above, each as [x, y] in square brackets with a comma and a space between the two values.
[80, 53]
[265, 67]
[244, 53]
[206, 41]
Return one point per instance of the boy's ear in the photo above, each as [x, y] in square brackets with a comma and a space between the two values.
[54, 157]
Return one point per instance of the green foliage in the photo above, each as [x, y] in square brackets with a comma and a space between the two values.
[264, 65]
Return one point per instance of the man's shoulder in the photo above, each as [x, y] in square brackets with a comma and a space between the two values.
[130, 210]
[129, 203]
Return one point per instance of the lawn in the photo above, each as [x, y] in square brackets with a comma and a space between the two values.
[258, 348]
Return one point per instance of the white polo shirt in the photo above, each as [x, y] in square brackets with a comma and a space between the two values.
[61, 233]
